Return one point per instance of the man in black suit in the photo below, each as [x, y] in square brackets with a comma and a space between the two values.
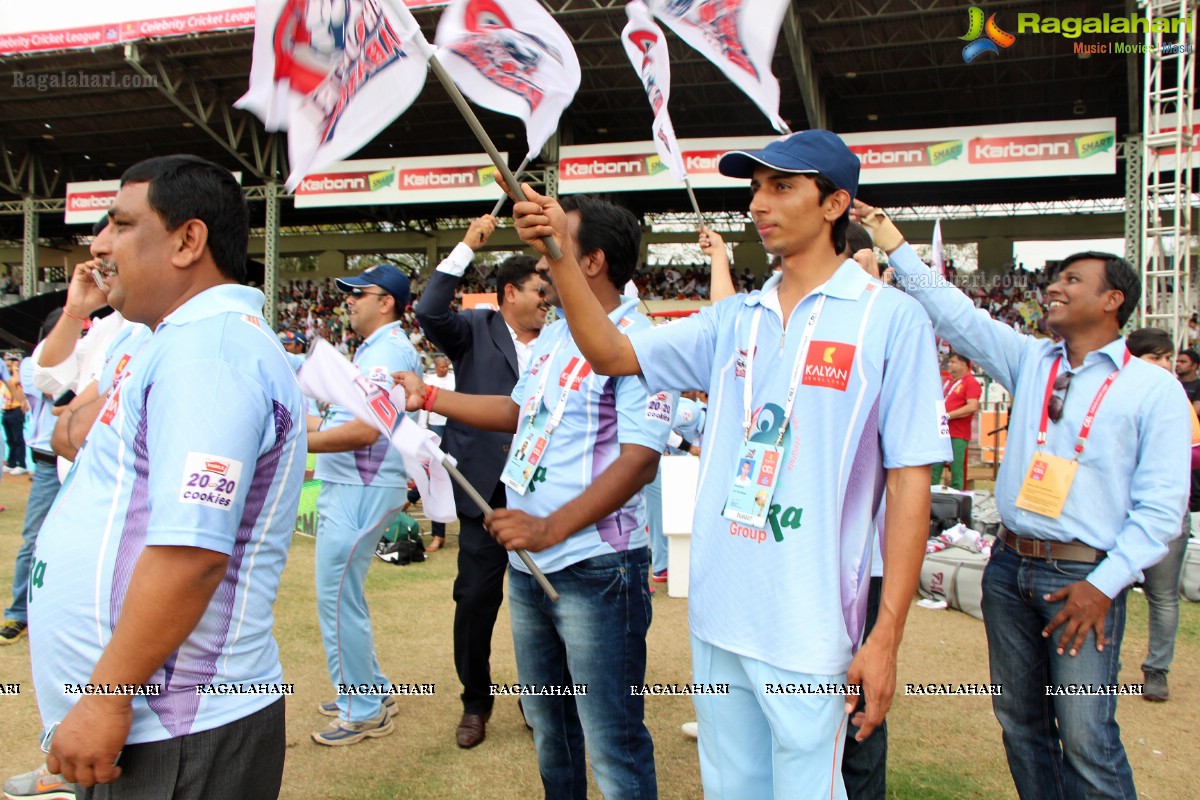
[490, 349]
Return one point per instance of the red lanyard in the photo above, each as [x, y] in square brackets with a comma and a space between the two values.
[1086, 428]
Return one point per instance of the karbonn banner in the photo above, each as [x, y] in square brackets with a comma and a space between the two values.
[390, 181]
[1024, 150]
[36, 27]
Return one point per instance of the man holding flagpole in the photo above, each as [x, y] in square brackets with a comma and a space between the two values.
[779, 588]
[585, 447]
[362, 479]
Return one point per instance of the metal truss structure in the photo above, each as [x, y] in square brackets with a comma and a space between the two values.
[1165, 243]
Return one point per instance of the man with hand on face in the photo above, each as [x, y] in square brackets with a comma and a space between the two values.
[362, 478]
[1094, 480]
[828, 383]
[585, 447]
[490, 349]
[156, 570]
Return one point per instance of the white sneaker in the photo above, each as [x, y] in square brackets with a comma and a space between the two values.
[690, 730]
[18, 471]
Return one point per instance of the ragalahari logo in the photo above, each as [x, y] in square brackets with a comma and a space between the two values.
[984, 37]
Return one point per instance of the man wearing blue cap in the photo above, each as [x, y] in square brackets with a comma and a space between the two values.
[362, 478]
[829, 385]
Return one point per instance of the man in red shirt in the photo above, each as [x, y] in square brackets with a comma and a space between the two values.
[962, 401]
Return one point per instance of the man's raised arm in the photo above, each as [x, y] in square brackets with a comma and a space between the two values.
[439, 322]
[606, 349]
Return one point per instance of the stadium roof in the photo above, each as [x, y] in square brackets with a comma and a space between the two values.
[851, 65]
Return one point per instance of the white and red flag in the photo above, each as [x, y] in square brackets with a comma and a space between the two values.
[938, 257]
[512, 57]
[646, 47]
[333, 74]
[327, 376]
[736, 35]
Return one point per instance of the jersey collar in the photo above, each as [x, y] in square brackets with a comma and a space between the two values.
[381, 331]
[847, 283]
[225, 298]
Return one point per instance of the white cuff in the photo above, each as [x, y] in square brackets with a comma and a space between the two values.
[457, 262]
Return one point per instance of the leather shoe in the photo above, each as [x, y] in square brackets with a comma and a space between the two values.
[472, 730]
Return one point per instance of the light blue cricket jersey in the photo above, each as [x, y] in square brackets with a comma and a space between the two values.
[688, 422]
[128, 342]
[793, 594]
[41, 420]
[200, 444]
[385, 351]
[600, 416]
[1132, 485]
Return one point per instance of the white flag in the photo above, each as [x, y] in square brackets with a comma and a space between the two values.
[647, 50]
[736, 35]
[333, 74]
[939, 253]
[330, 378]
[512, 57]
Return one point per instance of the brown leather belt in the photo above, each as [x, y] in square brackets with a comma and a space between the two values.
[1050, 551]
[42, 457]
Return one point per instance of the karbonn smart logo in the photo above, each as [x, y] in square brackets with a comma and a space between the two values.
[984, 37]
[337, 182]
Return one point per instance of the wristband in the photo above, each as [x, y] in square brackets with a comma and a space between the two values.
[87, 321]
[431, 393]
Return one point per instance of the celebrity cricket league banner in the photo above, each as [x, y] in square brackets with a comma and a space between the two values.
[37, 27]
[394, 181]
[983, 152]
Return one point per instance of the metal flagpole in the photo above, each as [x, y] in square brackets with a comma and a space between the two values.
[517, 176]
[466, 486]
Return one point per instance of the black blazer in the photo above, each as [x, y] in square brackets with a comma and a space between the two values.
[479, 345]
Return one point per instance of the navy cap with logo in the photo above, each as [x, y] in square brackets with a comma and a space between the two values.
[293, 337]
[806, 152]
[386, 277]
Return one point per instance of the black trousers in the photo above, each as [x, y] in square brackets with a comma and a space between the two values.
[478, 593]
[242, 760]
[14, 432]
[864, 765]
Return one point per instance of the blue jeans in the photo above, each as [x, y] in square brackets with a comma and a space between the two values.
[41, 496]
[594, 635]
[1161, 585]
[1057, 746]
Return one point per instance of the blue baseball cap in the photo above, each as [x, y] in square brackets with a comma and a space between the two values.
[807, 152]
[293, 337]
[386, 277]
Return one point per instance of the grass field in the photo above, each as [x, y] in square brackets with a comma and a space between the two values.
[940, 748]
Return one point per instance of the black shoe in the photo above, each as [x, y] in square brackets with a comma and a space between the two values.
[12, 631]
[1155, 689]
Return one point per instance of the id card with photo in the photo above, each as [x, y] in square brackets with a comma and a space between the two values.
[526, 453]
[753, 484]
